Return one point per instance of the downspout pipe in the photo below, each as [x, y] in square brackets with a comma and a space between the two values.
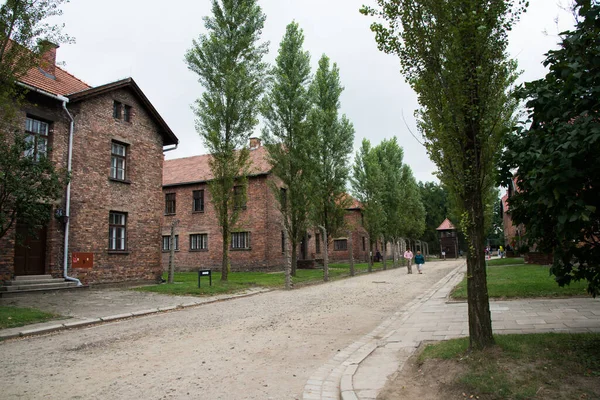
[64, 101]
[68, 198]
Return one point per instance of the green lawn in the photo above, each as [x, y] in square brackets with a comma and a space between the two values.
[11, 317]
[522, 281]
[557, 366]
[186, 283]
[506, 261]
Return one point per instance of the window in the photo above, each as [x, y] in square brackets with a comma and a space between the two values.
[283, 198]
[240, 240]
[198, 201]
[318, 243]
[117, 110]
[166, 242]
[37, 138]
[170, 203]
[340, 244]
[364, 243]
[117, 231]
[127, 113]
[118, 157]
[239, 197]
[199, 241]
[282, 241]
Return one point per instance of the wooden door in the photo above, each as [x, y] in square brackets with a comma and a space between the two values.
[30, 252]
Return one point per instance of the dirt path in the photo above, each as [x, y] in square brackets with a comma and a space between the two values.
[261, 347]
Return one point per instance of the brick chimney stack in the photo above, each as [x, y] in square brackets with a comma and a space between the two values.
[49, 57]
[254, 143]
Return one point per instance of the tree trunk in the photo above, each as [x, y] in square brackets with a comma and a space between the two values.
[325, 256]
[384, 249]
[172, 253]
[225, 261]
[294, 258]
[370, 256]
[480, 321]
[351, 250]
[288, 262]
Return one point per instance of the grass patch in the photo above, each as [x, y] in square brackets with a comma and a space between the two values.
[544, 366]
[522, 281]
[12, 317]
[506, 261]
[186, 283]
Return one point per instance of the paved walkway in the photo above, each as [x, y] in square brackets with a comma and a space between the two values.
[83, 307]
[362, 369]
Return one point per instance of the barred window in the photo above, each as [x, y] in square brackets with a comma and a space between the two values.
[239, 197]
[166, 242]
[340, 244]
[240, 240]
[199, 241]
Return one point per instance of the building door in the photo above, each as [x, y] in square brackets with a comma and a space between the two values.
[30, 252]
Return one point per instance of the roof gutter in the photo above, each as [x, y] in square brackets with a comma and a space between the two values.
[171, 148]
[64, 101]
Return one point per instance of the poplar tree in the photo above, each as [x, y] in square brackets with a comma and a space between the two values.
[453, 54]
[332, 138]
[285, 109]
[228, 59]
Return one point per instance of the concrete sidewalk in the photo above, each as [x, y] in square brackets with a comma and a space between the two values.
[362, 369]
[94, 306]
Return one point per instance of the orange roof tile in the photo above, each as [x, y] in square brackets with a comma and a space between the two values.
[181, 171]
[446, 225]
[63, 85]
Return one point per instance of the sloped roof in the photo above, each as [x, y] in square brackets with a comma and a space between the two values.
[63, 85]
[189, 170]
[446, 225]
[169, 137]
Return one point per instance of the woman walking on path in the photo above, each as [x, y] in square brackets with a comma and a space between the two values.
[419, 260]
[408, 255]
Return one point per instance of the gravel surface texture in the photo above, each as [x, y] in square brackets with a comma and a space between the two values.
[260, 347]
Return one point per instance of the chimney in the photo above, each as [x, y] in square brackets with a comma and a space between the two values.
[48, 63]
[254, 143]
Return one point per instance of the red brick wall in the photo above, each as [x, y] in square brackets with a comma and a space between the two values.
[94, 195]
[261, 218]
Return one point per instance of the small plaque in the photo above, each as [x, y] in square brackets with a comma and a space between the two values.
[82, 260]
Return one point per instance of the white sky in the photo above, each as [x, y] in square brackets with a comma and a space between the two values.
[147, 40]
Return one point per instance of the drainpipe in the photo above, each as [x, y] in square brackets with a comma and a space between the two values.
[68, 198]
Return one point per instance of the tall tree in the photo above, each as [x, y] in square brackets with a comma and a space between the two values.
[285, 110]
[453, 54]
[332, 139]
[556, 155]
[27, 185]
[229, 62]
[368, 184]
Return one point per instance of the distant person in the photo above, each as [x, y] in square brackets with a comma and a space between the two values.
[419, 260]
[378, 256]
[408, 255]
[444, 255]
[501, 251]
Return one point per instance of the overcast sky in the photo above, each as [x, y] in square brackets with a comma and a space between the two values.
[147, 40]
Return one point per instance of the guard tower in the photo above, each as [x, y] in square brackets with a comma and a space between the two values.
[448, 239]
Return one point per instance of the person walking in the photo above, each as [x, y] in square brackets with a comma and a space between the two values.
[419, 260]
[408, 255]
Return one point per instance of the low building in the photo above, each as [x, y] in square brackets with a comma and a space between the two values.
[257, 242]
[107, 226]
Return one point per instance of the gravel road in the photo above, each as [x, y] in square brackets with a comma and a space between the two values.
[260, 347]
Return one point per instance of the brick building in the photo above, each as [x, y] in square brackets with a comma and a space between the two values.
[257, 243]
[112, 206]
